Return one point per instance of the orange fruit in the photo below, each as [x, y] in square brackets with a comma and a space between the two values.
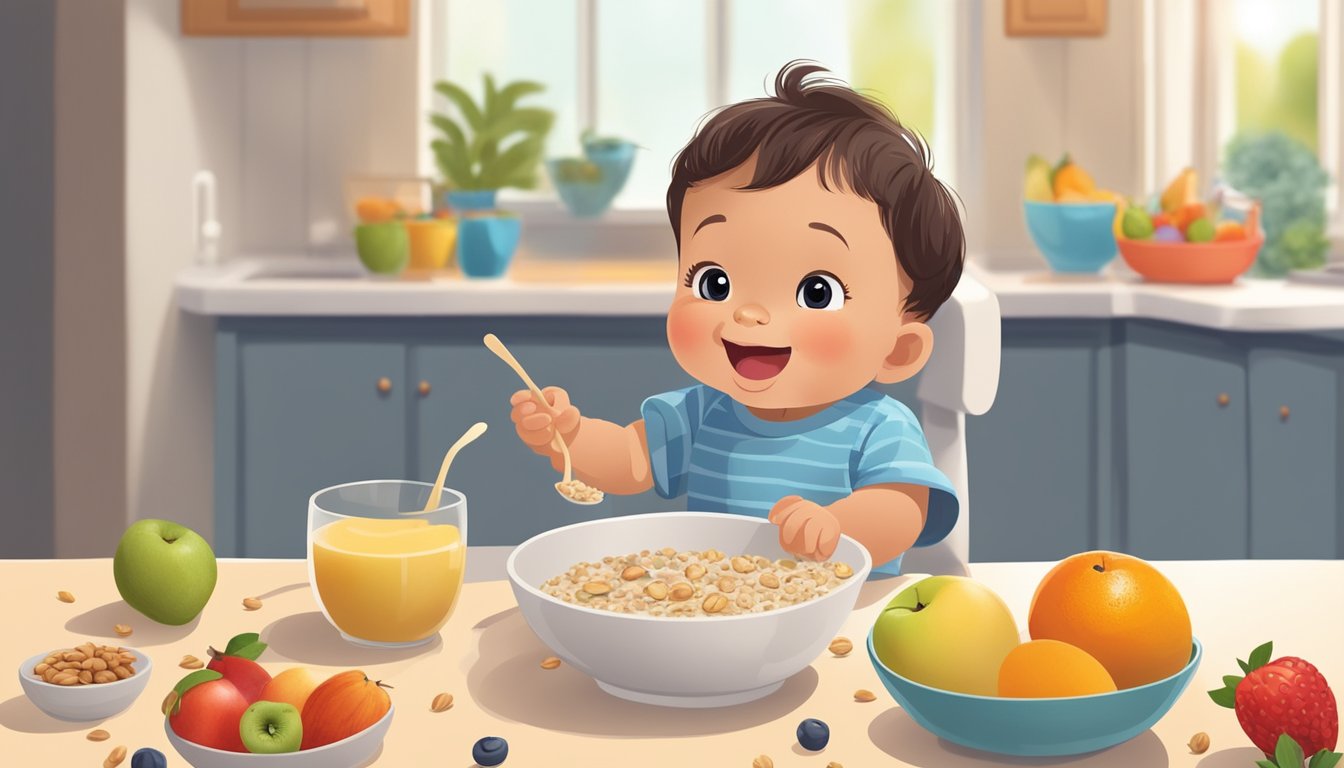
[1188, 214]
[1042, 669]
[372, 210]
[1229, 230]
[1119, 609]
[1072, 178]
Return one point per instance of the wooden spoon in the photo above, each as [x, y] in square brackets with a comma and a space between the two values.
[473, 432]
[493, 343]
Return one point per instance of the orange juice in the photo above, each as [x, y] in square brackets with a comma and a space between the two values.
[388, 581]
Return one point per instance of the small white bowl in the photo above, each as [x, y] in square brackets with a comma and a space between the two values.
[700, 661]
[81, 703]
[353, 752]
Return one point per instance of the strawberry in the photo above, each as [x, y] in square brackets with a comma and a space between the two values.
[1286, 696]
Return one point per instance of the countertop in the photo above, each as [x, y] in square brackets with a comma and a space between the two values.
[277, 285]
[489, 660]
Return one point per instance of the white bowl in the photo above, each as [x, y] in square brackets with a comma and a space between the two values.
[701, 661]
[353, 752]
[80, 703]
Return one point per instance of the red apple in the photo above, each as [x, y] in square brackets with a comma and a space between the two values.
[207, 711]
[238, 665]
[345, 704]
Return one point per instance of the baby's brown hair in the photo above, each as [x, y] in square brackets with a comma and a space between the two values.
[855, 143]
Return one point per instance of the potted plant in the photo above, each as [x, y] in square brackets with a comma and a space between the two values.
[496, 144]
[588, 184]
[1288, 180]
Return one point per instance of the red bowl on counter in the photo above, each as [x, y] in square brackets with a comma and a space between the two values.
[1205, 263]
[1211, 263]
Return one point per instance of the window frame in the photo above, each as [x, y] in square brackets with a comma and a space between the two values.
[955, 105]
[1176, 135]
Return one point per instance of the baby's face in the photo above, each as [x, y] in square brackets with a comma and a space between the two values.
[790, 297]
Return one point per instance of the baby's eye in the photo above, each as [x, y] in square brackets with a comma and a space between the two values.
[822, 291]
[710, 282]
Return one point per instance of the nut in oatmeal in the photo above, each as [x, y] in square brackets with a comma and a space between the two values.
[579, 491]
[667, 583]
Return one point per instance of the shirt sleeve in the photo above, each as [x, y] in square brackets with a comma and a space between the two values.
[895, 451]
[671, 421]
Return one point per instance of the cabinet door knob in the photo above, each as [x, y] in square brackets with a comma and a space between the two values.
[1224, 399]
[1283, 413]
[384, 385]
[424, 389]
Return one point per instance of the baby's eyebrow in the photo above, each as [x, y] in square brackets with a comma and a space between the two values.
[828, 228]
[715, 219]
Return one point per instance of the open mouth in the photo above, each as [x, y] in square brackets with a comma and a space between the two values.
[757, 363]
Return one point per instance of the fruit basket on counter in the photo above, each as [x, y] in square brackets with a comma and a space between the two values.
[1182, 239]
[1069, 216]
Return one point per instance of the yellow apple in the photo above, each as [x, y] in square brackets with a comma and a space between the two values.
[290, 687]
[947, 632]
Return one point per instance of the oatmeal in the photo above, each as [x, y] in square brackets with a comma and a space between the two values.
[666, 582]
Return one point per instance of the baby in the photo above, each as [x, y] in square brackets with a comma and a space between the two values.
[815, 243]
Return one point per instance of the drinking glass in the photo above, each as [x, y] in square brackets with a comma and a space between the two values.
[384, 572]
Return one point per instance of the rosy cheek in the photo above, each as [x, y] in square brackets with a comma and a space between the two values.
[826, 338]
[687, 330]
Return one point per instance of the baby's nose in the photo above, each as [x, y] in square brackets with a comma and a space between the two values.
[751, 314]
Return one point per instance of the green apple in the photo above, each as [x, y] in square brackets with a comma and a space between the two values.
[271, 727]
[164, 570]
[947, 632]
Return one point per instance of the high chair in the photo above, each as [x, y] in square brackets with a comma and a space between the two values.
[961, 377]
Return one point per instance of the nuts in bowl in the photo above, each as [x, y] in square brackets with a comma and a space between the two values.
[710, 651]
[86, 682]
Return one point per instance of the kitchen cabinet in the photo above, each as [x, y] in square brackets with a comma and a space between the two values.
[608, 367]
[1145, 437]
[1296, 487]
[1185, 446]
[303, 404]
[313, 411]
[1038, 486]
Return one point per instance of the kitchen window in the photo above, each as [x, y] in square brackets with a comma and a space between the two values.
[1219, 67]
[651, 70]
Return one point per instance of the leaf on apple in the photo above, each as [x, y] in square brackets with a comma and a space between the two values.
[191, 681]
[247, 645]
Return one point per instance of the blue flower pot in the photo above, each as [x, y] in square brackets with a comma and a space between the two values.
[485, 244]
[472, 199]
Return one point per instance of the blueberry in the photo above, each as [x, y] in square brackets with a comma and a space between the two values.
[813, 734]
[148, 757]
[490, 751]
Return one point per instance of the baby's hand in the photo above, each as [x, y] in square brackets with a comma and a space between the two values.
[806, 529]
[536, 426]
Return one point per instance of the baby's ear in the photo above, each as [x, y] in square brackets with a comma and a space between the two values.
[914, 344]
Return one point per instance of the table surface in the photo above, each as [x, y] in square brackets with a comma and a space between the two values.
[488, 659]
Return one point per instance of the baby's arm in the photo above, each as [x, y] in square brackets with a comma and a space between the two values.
[885, 518]
[607, 456]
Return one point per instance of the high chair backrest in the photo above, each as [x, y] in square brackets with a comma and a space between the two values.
[961, 377]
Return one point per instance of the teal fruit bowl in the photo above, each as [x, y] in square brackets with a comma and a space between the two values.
[1073, 237]
[1037, 727]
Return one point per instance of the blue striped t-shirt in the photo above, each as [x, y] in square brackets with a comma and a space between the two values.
[725, 459]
